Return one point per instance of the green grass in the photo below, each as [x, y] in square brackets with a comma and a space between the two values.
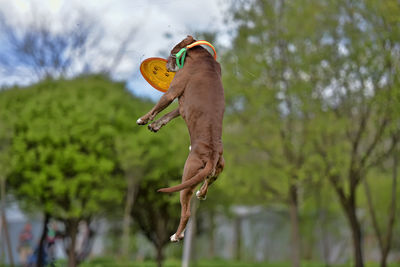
[109, 262]
[112, 262]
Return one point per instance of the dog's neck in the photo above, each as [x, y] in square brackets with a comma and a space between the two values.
[198, 51]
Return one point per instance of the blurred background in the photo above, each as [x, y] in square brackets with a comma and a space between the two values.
[311, 134]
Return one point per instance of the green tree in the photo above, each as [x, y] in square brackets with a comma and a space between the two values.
[271, 109]
[63, 151]
[311, 98]
[358, 125]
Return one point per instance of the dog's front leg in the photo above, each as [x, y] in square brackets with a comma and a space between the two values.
[155, 126]
[175, 90]
[164, 101]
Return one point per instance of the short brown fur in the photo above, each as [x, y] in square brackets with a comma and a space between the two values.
[200, 93]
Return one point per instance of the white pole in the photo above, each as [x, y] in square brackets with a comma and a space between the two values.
[189, 235]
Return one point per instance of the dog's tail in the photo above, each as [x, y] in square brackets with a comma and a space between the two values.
[198, 178]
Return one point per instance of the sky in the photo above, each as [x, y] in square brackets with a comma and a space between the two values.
[150, 21]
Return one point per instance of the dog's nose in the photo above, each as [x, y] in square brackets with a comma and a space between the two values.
[171, 67]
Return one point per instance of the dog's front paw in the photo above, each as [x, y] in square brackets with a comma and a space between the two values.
[141, 121]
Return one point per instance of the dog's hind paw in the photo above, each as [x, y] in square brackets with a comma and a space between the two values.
[199, 196]
[174, 237]
[153, 127]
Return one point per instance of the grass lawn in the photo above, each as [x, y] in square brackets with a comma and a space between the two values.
[110, 262]
[210, 263]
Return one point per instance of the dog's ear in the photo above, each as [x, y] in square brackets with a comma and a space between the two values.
[188, 40]
[185, 42]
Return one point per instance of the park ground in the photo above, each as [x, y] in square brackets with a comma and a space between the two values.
[106, 262]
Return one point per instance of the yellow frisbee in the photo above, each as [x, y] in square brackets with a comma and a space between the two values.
[155, 72]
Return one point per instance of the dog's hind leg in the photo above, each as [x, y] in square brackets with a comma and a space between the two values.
[185, 197]
[192, 167]
[155, 126]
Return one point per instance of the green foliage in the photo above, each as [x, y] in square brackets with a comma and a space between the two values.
[74, 146]
[312, 91]
[271, 103]
[295, 83]
[63, 146]
[308, 86]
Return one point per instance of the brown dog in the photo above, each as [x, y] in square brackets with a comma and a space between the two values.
[199, 89]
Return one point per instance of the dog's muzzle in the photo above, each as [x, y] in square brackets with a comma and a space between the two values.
[171, 66]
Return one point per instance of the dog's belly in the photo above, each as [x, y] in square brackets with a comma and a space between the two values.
[202, 101]
[205, 130]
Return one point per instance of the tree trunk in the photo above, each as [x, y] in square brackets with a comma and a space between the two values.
[160, 256]
[294, 219]
[321, 223]
[348, 204]
[40, 259]
[350, 211]
[72, 232]
[356, 234]
[211, 246]
[7, 236]
[389, 234]
[130, 198]
[238, 237]
[384, 255]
